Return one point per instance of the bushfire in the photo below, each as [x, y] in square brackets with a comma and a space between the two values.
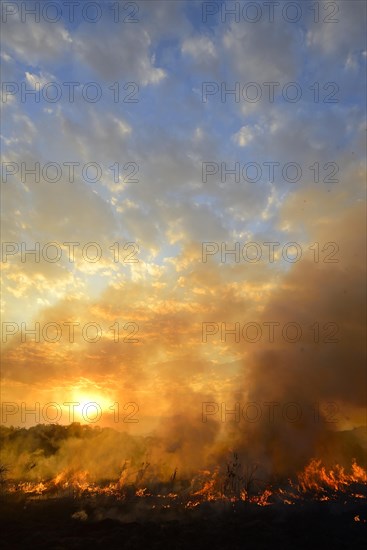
[315, 482]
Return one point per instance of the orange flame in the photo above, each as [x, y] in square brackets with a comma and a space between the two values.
[317, 478]
[316, 481]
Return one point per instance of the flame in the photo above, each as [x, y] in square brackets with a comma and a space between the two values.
[316, 478]
[262, 499]
[315, 482]
[209, 490]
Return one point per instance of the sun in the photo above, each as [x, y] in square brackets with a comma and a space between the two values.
[90, 406]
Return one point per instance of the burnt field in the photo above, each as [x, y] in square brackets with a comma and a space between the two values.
[49, 501]
[104, 521]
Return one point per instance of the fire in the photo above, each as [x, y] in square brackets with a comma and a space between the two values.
[78, 480]
[316, 478]
[209, 491]
[262, 499]
[315, 482]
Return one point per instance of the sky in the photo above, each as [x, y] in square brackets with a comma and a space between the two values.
[168, 98]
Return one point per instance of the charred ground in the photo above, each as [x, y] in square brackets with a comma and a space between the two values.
[50, 524]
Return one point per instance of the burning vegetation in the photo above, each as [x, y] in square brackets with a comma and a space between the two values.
[81, 487]
[47, 462]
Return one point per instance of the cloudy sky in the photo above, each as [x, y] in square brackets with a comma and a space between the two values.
[147, 108]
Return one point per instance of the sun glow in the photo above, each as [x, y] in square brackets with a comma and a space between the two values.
[89, 405]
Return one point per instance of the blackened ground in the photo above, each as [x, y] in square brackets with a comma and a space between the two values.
[48, 524]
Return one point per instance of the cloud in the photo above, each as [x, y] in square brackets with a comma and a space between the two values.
[246, 134]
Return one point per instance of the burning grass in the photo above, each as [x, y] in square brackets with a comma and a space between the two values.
[73, 487]
[218, 508]
[232, 484]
